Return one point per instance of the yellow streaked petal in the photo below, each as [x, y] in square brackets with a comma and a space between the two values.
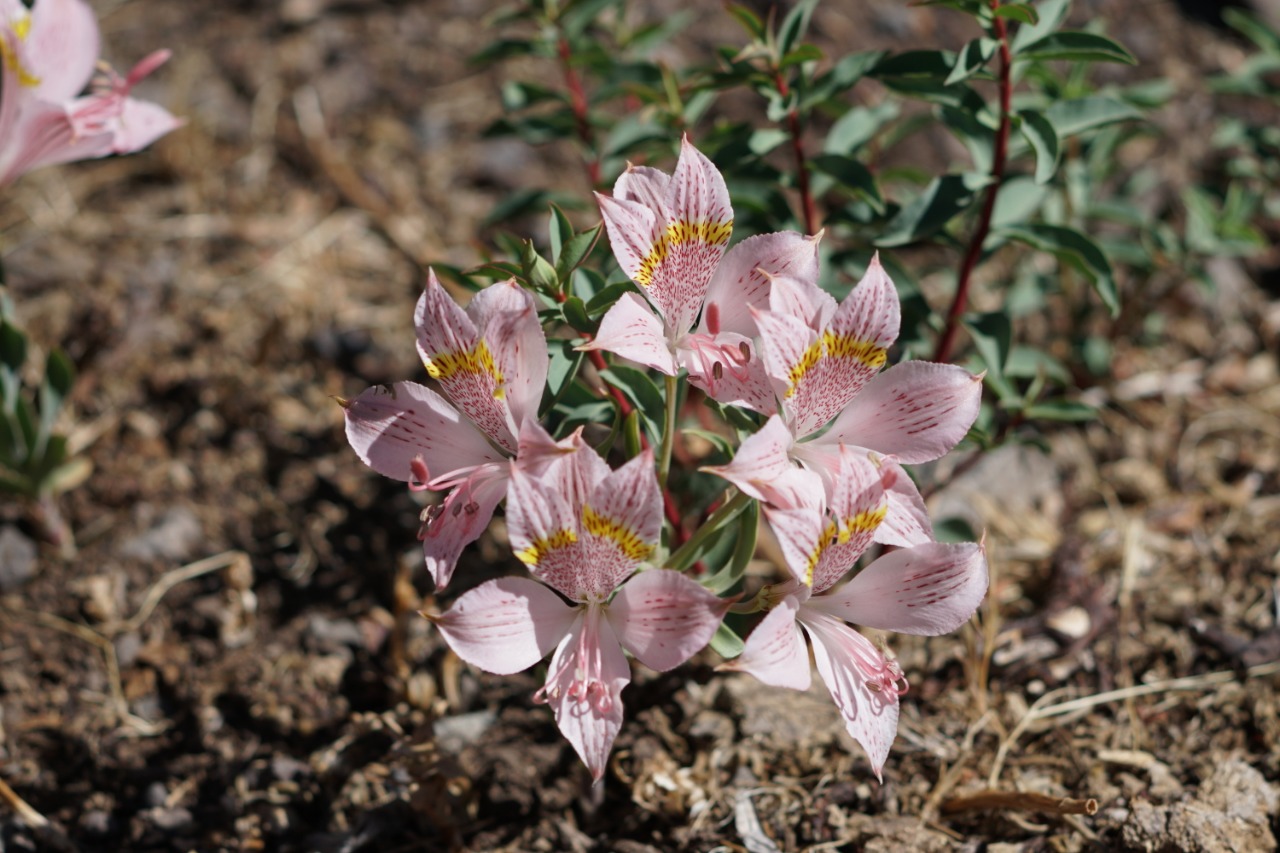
[477, 361]
[540, 548]
[627, 540]
[833, 345]
[679, 233]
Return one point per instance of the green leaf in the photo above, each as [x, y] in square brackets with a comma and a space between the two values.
[1253, 29]
[853, 175]
[1076, 249]
[66, 476]
[750, 21]
[563, 364]
[916, 63]
[13, 346]
[803, 53]
[726, 643]
[794, 25]
[942, 200]
[764, 140]
[1051, 14]
[1078, 47]
[1043, 139]
[575, 314]
[993, 339]
[559, 231]
[641, 391]
[536, 270]
[1021, 12]
[1077, 115]
[1018, 201]
[859, 126]
[631, 435]
[1061, 410]
[59, 376]
[971, 59]
[977, 137]
[574, 251]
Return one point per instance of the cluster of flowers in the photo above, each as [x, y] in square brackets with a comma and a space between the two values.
[49, 54]
[825, 466]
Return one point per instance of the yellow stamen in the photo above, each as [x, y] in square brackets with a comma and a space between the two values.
[678, 233]
[832, 345]
[627, 540]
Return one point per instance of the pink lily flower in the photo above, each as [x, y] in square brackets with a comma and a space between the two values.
[49, 54]
[669, 234]
[583, 532]
[824, 362]
[491, 363]
[929, 589]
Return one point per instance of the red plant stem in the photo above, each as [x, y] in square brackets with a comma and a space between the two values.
[807, 206]
[578, 103]
[948, 338]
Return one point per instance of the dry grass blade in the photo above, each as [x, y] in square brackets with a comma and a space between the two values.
[22, 808]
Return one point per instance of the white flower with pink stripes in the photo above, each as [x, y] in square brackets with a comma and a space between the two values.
[927, 589]
[824, 362]
[48, 55]
[669, 234]
[490, 362]
[583, 531]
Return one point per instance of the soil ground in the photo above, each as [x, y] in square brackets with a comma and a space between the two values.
[232, 661]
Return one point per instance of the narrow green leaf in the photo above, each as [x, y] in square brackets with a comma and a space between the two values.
[644, 394]
[726, 643]
[941, 201]
[764, 140]
[1075, 249]
[859, 126]
[853, 175]
[971, 59]
[749, 20]
[559, 231]
[631, 435]
[803, 53]
[13, 346]
[1077, 115]
[605, 299]
[993, 339]
[794, 25]
[1061, 410]
[1251, 28]
[1021, 12]
[1077, 46]
[1043, 139]
[563, 364]
[1051, 14]
[574, 251]
[575, 314]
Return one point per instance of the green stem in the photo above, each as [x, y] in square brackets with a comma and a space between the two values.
[668, 435]
[684, 556]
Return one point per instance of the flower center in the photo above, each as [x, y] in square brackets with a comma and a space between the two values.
[579, 675]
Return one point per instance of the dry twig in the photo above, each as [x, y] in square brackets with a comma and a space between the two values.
[1019, 801]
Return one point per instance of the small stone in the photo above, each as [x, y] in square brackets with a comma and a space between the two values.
[174, 535]
[171, 820]
[453, 733]
[1072, 623]
[17, 559]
